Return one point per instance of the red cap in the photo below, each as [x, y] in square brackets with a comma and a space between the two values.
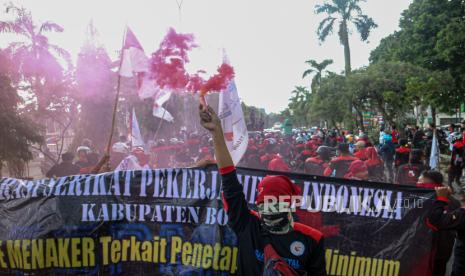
[276, 185]
[355, 167]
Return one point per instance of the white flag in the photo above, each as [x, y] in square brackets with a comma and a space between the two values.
[136, 137]
[233, 123]
[147, 88]
[134, 59]
[162, 97]
[162, 113]
[434, 157]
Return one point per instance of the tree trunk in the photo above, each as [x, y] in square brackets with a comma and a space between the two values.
[433, 115]
[344, 36]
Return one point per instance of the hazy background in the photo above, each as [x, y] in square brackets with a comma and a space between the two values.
[267, 41]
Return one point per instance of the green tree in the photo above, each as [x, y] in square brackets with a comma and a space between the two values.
[299, 104]
[431, 35]
[384, 87]
[343, 13]
[18, 131]
[317, 68]
[35, 57]
[333, 93]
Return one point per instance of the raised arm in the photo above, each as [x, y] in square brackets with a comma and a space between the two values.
[211, 122]
[233, 196]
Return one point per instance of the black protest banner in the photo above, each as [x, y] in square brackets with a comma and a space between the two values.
[171, 221]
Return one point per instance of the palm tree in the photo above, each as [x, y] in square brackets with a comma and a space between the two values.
[35, 58]
[299, 103]
[344, 12]
[318, 69]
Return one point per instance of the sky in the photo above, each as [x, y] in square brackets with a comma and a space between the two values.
[267, 41]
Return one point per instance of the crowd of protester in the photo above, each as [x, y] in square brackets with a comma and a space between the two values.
[394, 158]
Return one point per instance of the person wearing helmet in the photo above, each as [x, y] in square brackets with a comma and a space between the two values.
[82, 156]
[137, 160]
[269, 241]
[317, 165]
[457, 163]
[338, 167]
[119, 151]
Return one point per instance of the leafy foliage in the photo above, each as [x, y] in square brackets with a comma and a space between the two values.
[18, 132]
[35, 57]
[431, 35]
[317, 68]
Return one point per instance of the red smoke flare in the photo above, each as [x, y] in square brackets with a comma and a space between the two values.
[168, 67]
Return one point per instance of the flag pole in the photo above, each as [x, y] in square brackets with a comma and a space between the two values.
[115, 104]
[106, 158]
[130, 128]
[159, 124]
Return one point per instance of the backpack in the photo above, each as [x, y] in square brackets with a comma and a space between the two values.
[275, 265]
[315, 168]
[408, 174]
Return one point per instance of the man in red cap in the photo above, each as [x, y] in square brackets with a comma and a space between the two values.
[269, 239]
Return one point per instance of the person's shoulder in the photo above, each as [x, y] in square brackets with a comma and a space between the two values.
[308, 231]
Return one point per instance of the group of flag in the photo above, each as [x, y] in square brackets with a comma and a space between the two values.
[135, 64]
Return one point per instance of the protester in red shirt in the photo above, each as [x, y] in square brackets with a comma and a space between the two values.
[375, 165]
[409, 173]
[360, 152]
[317, 165]
[339, 165]
[278, 164]
[357, 171]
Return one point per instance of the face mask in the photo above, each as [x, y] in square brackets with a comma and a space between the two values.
[278, 223]
[274, 221]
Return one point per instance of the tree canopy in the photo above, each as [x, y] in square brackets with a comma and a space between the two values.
[18, 131]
